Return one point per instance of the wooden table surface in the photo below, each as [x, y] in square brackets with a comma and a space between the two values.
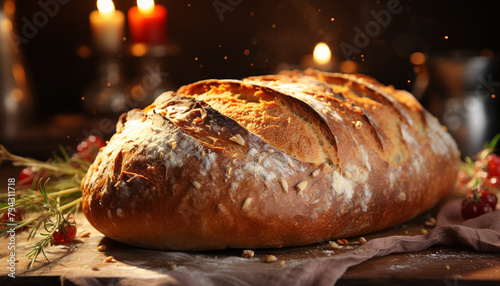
[436, 265]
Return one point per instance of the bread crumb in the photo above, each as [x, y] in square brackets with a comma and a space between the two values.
[301, 186]
[271, 258]
[431, 222]
[85, 234]
[109, 259]
[315, 173]
[196, 185]
[238, 139]
[246, 203]
[102, 247]
[247, 253]
[358, 125]
[333, 245]
[284, 185]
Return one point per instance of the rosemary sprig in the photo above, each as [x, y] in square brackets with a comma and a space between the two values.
[51, 198]
[59, 165]
[32, 199]
[52, 220]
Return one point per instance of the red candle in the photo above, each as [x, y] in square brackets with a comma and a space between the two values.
[148, 23]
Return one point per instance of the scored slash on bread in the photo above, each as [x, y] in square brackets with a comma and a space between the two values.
[269, 161]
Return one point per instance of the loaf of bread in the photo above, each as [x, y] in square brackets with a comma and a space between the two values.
[269, 161]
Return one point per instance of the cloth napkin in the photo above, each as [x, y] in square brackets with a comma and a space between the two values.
[481, 234]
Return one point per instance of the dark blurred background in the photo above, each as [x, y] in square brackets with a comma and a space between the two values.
[239, 38]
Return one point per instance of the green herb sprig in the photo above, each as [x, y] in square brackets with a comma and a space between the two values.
[51, 198]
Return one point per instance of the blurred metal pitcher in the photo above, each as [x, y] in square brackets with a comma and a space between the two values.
[464, 92]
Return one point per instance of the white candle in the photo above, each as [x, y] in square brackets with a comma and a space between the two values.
[107, 26]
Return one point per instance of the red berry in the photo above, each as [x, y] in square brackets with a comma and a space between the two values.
[472, 209]
[493, 165]
[61, 238]
[88, 148]
[26, 177]
[489, 198]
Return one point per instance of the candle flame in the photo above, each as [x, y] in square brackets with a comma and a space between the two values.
[146, 6]
[105, 7]
[322, 54]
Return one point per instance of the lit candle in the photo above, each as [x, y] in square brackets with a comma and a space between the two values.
[322, 54]
[321, 58]
[148, 23]
[107, 26]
